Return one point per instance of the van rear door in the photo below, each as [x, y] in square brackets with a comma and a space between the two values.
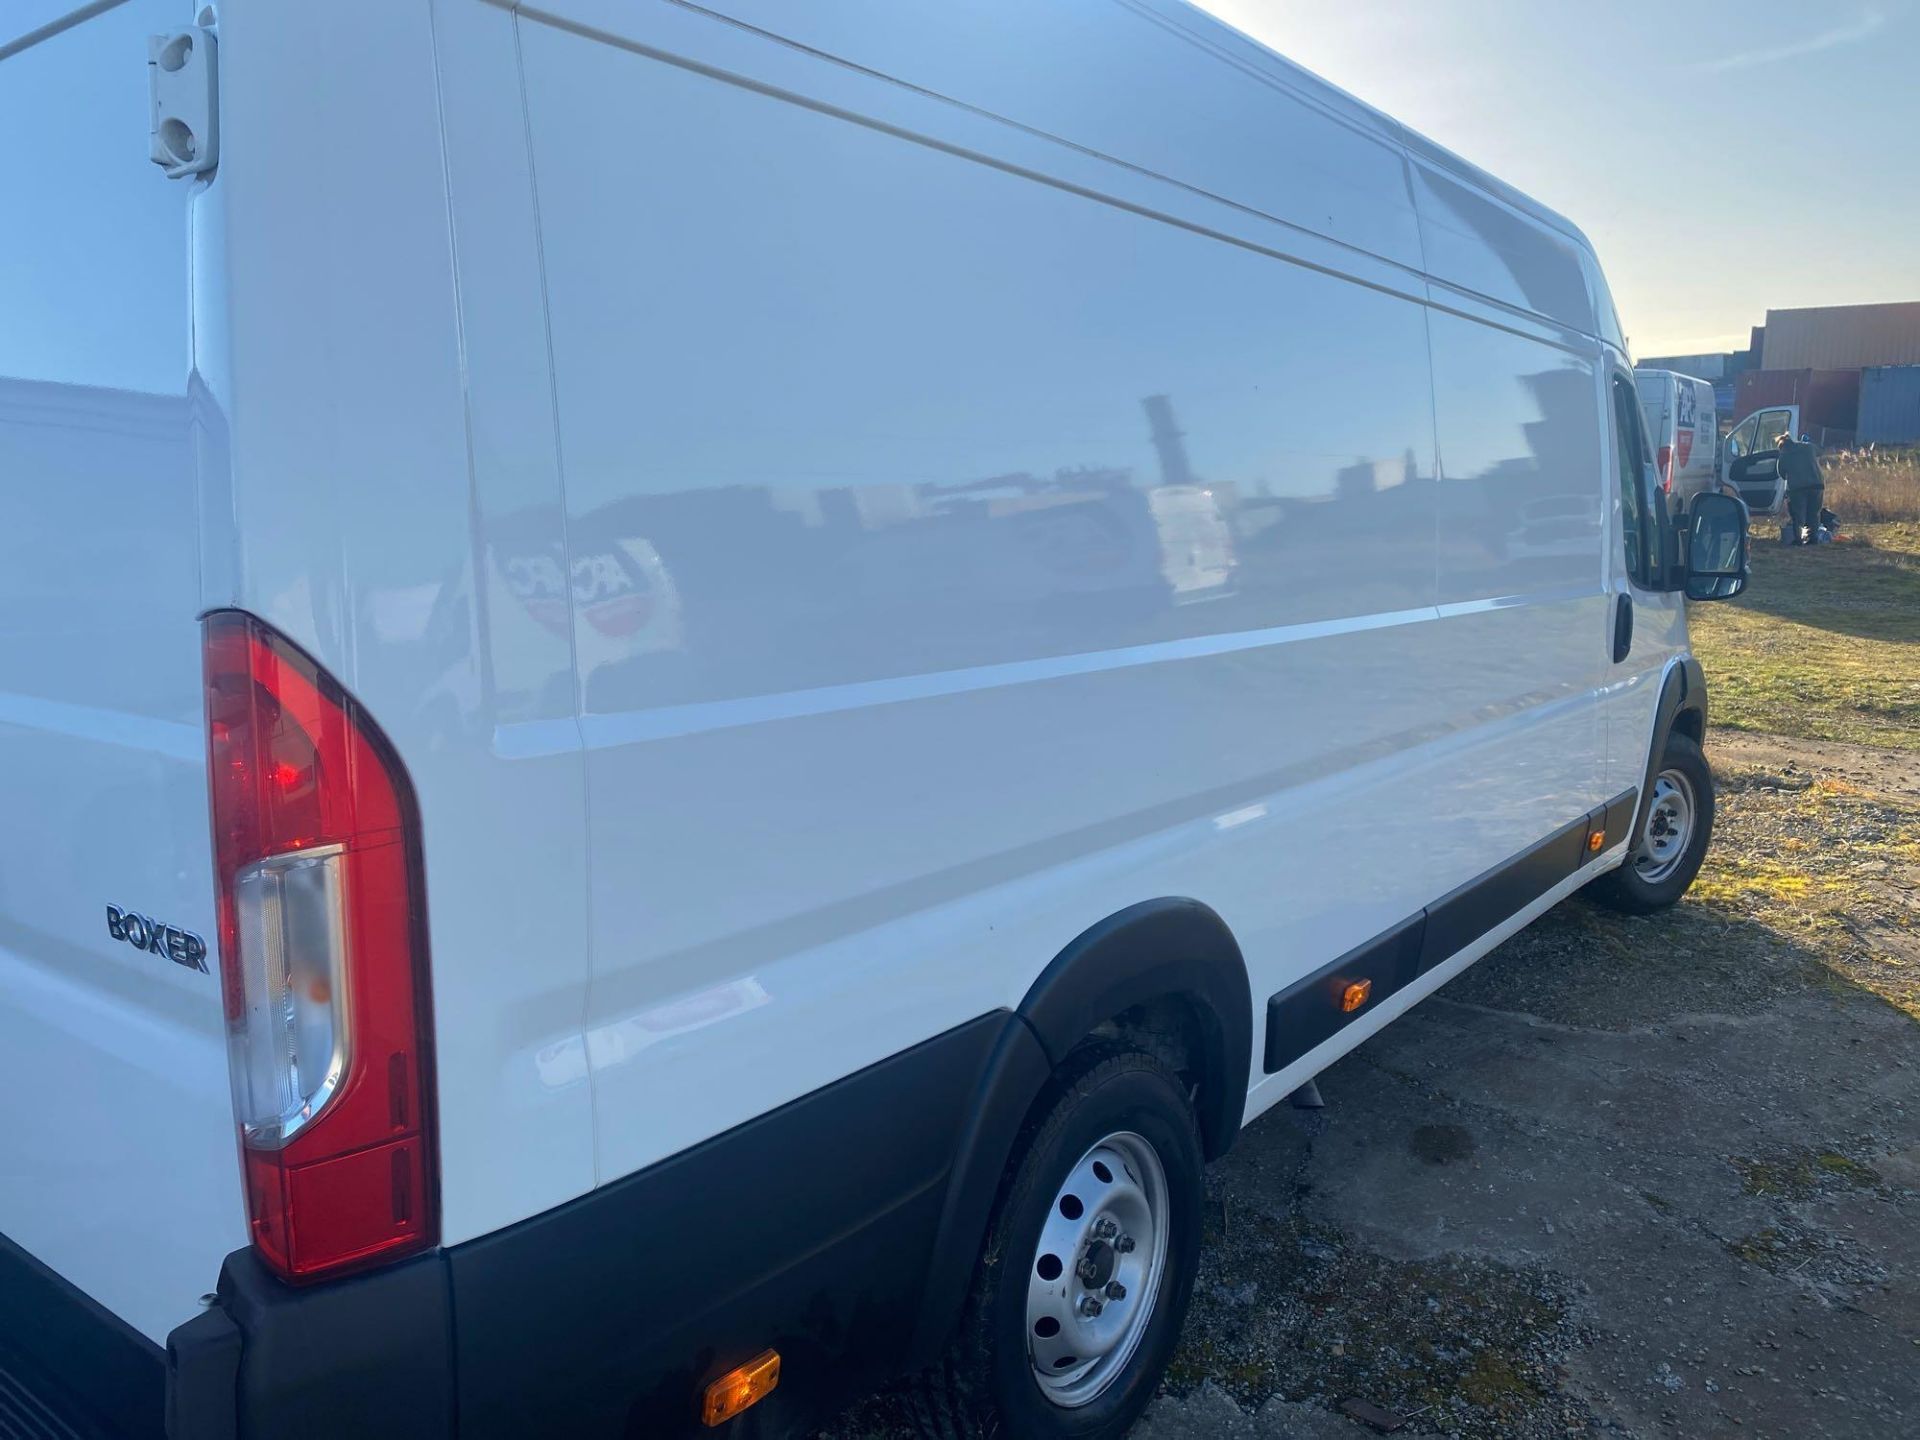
[120, 1171]
[1704, 422]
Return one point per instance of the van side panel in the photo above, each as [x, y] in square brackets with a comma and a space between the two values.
[1485, 245]
[900, 678]
[1143, 88]
[1522, 588]
[119, 1170]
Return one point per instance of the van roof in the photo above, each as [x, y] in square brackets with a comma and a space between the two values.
[1373, 118]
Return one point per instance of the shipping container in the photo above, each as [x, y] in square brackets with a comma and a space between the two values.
[1842, 337]
[1711, 366]
[1829, 400]
[1890, 405]
[1724, 400]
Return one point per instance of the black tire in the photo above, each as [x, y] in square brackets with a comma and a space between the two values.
[985, 1388]
[1628, 889]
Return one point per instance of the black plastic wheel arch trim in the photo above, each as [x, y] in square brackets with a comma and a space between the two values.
[1014, 1075]
[1684, 689]
[1159, 949]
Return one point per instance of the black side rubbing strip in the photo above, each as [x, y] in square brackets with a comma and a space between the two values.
[1618, 817]
[1456, 920]
[1312, 1010]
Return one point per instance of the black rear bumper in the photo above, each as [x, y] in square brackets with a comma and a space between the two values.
[369, 1355]
[69, 1368]
[809, 1230]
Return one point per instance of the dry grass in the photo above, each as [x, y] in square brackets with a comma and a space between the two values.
[1872, 486]
[1850, 901]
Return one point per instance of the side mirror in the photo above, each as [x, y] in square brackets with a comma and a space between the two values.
[1716, 547]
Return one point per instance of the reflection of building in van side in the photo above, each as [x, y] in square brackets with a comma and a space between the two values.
[1196, 546]
[939, 575]
[1521, 495]
[667, 592]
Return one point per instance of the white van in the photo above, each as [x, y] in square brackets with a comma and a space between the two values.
[1750, 460]
[1683, 426]
[754, 847]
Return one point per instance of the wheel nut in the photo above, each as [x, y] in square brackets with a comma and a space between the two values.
[1124, 1244]
[1087, 1270]
[1105, 1229]
[1090, 1306]
[1116, 1291]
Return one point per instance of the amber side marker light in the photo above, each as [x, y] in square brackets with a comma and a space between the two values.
[1355, 995]
[740, 1388]
[1597, 841]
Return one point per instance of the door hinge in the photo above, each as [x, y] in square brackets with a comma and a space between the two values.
[184, 92]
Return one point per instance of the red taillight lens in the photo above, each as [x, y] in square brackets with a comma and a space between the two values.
[1666, 467]
[322, 960]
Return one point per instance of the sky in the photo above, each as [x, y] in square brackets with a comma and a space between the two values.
[1667, 132]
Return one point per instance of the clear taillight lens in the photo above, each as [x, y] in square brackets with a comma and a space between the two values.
[288, 1043]
[322, 959]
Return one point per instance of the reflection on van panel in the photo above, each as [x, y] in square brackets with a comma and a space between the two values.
[826, 644]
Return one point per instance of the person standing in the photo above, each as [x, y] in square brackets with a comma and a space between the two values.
[1806, 486]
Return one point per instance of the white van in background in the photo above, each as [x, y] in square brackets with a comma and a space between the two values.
[1750, 459]
[766, 821]
[1683, 426]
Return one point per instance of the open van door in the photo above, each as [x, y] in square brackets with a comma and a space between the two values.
[1749, 461]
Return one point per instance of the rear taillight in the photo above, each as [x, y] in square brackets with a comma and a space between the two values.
[1666, 467]
[322, 960]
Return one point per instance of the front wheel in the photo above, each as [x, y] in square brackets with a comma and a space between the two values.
[1673, 835]
[1088, 1266]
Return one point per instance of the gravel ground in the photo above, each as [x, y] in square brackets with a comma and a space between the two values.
[1624, 1177]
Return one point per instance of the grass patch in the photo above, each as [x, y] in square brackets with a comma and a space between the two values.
[1829, 869]
[1825, 644]
[1803, 1176]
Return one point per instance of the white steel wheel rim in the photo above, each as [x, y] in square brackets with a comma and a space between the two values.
[1097, 1271]
[1668, 829]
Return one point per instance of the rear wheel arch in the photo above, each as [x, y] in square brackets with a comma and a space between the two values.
[1165, 976]
[1147, 973]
